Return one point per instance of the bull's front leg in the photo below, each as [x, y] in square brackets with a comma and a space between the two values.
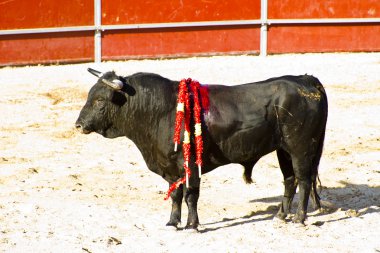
[191, 199]
[175, 216]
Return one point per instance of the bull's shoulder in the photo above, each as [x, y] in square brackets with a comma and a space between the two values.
[146, 78]
[145, 74]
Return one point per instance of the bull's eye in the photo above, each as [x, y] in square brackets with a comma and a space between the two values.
[99, 102]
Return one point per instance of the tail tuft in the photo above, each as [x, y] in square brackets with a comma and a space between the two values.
[247, 175]
[316, 199]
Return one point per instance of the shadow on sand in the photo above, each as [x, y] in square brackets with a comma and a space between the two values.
[358, 199]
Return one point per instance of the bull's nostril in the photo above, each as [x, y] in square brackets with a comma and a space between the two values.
[79, 127]
[82, 128]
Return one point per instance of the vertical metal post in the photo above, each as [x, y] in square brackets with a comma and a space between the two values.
[98, 32]
[264, 28]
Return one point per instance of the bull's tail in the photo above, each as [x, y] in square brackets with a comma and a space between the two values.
[247, 175]
[315, 178]
[248, 167]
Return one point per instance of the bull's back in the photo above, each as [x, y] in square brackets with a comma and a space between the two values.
[240, 122]
[246, 121]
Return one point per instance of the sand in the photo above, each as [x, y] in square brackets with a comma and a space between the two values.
[61, 191]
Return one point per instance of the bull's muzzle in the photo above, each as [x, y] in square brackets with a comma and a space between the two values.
[80, 127]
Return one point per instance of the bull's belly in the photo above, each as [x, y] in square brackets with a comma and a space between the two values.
[246, 146]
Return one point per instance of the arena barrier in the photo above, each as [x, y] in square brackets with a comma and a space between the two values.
[95, 30]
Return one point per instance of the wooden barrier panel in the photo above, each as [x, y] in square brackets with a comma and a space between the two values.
[45, 13]
[323, 38]
[179, 41]
[46, 47]
[164, 11]
[290, 9]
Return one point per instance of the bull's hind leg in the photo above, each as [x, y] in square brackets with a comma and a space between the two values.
[303, 171]
[289, 183]
[175, 216]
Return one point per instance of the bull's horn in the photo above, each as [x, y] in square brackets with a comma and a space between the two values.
[116, 83]
[95, 72]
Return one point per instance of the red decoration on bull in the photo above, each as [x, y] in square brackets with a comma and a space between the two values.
[184, 113]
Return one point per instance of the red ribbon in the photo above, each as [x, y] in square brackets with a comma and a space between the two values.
[184, 112]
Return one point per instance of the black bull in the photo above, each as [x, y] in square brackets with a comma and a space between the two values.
[243, 123]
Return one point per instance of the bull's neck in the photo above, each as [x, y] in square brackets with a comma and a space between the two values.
[145, 112]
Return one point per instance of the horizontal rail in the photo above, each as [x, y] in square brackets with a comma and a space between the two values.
[183, 24]
[48, 30]
[324, 21]
[131, 26]
[190, 24]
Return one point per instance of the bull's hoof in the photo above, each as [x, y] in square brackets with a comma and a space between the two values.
[174, 225]
[298, 219]
[190, 229]
[281, 216]
[192, 226]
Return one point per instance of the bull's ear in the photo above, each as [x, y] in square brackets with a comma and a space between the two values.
[127, 88]
[118, 98]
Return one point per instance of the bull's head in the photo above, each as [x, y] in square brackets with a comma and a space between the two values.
[104, 103]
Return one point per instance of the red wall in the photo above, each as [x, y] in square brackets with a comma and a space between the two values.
[183, 42]
[163, 11]
[285, 9]
[46, 48]
[173, 42]
[45, 13]
[323, 38]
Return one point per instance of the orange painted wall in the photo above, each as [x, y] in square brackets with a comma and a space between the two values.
[46, 48]
[164, 11]
[323, 38]
[45, 13]
[183, 41]
[284, 9]
[174, 42]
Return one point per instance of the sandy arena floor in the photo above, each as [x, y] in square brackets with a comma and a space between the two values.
[61, 191]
